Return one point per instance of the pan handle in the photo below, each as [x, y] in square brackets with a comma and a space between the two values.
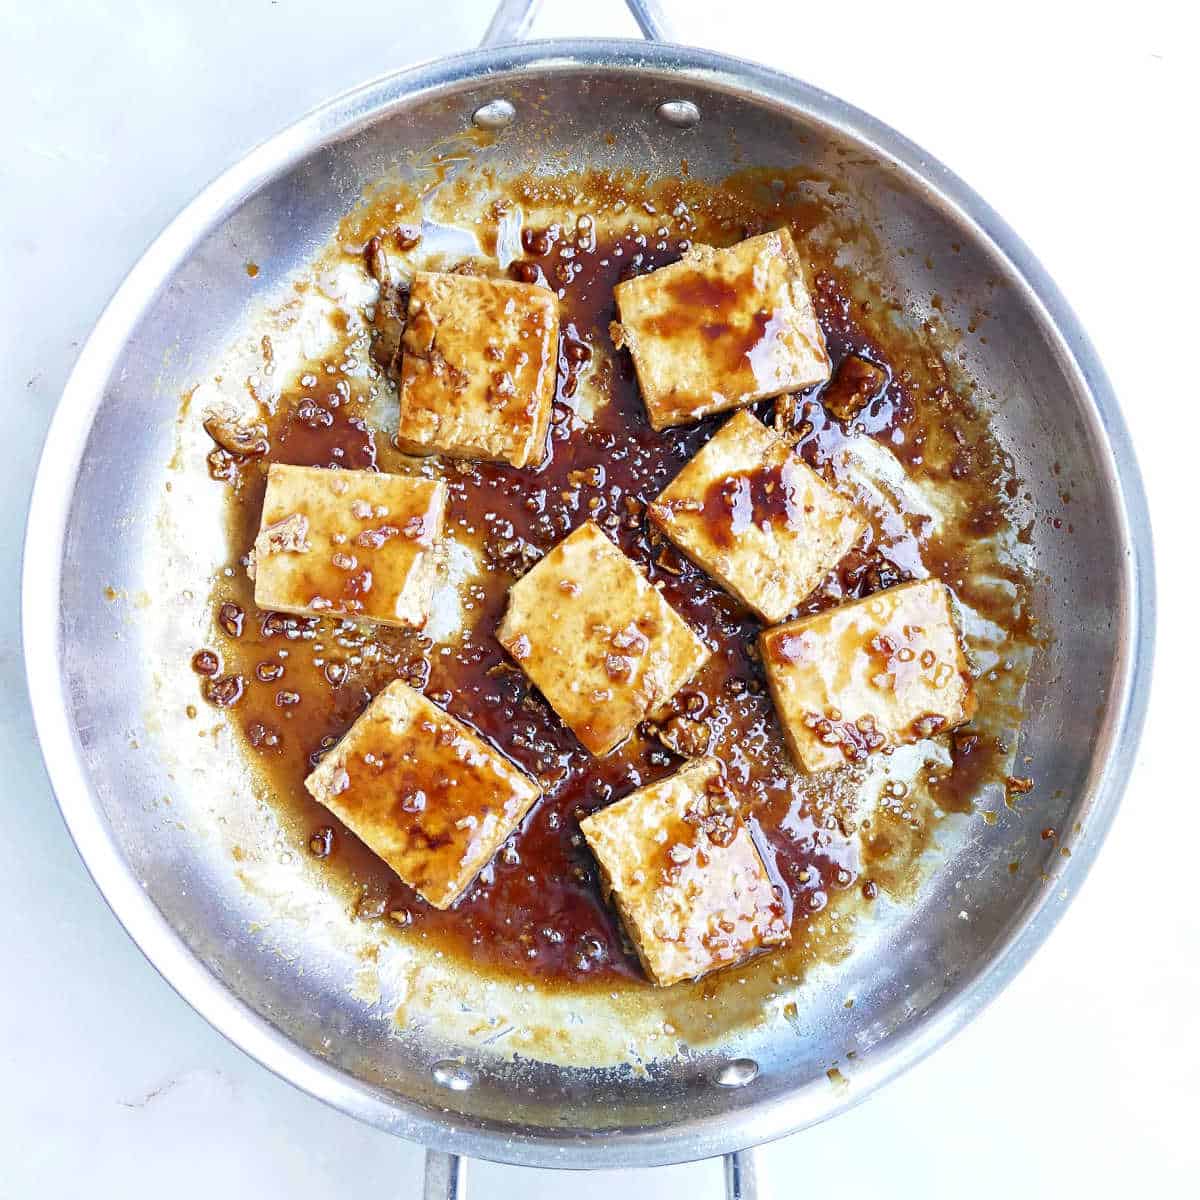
[445, 1174]
[652, 21]
[741, 1175]
[512, 20]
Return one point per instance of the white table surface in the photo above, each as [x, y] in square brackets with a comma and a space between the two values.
[1083, 1077]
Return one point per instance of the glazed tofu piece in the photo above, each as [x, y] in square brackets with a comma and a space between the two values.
[355, 544]
[603, 646]
[427, 795]
[479, 363]
[682, 870]
[879, 672]
[756, 518]
[855, 383]
[721, 329]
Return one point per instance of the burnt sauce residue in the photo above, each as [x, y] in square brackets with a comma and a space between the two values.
[293, 685]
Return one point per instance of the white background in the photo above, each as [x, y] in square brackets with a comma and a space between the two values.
[1078, 124]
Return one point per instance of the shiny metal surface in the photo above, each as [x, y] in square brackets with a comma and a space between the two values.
[96, 676]
[511, 22]
[445, 1176]
[741, 1177]
[651, 19]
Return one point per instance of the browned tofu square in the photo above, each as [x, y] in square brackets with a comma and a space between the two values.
[427, 795]
[855, 383]
[757, 518]
[479, 363]
[603, 646]
[357, 544]
[883, 671]
[685, 875]
[721, 329]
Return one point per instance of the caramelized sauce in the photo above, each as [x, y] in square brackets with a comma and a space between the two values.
[701, 301]
[537, 910]
[748, 499]
[323, 427]
[855, 384]
[976, 760]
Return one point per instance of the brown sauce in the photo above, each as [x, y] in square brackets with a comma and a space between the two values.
[710, 304]
[752, 499]
[854, 385]
[537, 910]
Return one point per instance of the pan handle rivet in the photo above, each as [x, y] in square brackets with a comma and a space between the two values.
[453, 1075]
[683, 114]
[496, 114]
[736, 1073]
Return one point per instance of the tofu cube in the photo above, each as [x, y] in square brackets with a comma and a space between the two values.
[357, 544]
[683, 872]
[756, 518]
[855, 383]
[883, 671]
[721, 329]
[427, 795]
[603, 646]
[477, 377]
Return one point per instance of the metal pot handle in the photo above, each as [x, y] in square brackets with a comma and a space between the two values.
[513, 18]
[446, 1174]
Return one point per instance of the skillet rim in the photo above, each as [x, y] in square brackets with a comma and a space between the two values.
[679, 1140]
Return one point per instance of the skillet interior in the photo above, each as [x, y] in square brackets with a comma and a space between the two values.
[156, 811]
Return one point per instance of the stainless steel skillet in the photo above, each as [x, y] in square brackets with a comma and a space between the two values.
[96, 683]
